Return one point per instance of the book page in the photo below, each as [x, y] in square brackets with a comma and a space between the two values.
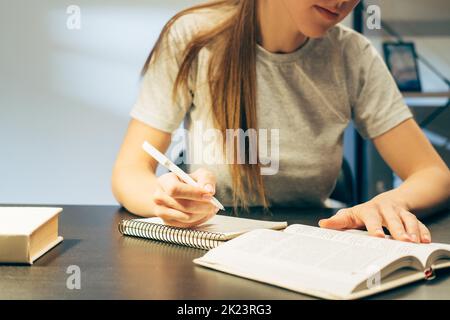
[297, 262]
[360, 240]
[229, 226]
[442, 246]
[436, 245]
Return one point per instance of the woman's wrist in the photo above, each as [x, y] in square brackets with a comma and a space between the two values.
[395, 196]
[133, 189]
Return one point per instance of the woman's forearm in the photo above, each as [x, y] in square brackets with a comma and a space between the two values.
[424, 192]
[133, 187]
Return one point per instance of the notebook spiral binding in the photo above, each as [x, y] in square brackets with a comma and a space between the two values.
[192, 238]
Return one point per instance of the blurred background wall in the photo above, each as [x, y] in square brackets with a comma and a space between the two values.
[65, 94]
[427, 25]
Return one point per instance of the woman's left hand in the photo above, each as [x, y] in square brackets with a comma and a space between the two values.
[381, 211]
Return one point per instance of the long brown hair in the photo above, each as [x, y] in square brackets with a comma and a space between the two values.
[232, 82]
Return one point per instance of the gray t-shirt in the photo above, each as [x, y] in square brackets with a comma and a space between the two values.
[308, 97]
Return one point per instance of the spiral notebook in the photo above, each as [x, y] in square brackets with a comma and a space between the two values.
[206, 236]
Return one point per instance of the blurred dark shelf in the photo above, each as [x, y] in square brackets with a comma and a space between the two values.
[442, 94]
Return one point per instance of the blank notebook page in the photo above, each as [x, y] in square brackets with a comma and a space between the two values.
[228, 226]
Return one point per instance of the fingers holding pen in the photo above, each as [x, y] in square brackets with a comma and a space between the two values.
[177, 189]
[184, 205]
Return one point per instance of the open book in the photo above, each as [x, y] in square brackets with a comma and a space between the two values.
[327, 263]
[208, 235]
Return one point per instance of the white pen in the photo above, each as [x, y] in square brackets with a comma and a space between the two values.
[172, 167]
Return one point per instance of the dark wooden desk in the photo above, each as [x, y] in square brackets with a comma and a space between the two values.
[116, 267]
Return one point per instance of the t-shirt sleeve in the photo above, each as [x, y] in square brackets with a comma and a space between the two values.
[155, 105]
[378, 105]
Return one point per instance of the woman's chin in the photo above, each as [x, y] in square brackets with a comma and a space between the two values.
[317, 32]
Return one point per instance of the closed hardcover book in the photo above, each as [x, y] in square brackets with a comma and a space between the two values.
[27, 233]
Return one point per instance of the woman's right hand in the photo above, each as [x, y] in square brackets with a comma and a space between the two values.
[182, 205]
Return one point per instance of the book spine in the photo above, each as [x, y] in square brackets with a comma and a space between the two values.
[186, 237]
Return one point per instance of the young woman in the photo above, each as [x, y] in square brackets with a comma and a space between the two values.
[281, 65]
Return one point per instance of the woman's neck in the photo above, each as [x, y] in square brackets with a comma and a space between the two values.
[276, 31]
